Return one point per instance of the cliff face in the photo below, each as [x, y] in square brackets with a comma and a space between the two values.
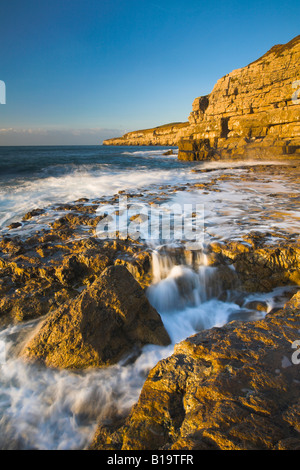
[168, 134]
[252, 112]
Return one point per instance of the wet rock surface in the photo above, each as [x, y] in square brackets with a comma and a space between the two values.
[259, 265]
[52, 265]
[229, 388]
[233, 387]
[109, 320]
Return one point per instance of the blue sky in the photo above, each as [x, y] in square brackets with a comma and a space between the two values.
[79, 71]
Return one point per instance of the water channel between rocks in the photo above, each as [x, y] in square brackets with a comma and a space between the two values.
[44, 408]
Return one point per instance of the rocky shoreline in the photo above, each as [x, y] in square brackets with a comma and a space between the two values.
[229, 388]
[232, 387]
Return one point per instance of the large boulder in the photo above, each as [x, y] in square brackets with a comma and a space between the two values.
[107, 321]
[229, 388]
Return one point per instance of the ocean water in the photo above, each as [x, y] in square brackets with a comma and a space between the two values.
[32, 177]
[42, 408]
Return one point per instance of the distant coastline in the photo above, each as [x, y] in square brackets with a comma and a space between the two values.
[252, 112]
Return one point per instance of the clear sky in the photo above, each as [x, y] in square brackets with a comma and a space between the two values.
[79, 71]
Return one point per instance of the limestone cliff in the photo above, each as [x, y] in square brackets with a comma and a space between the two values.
[251, 112]
[168, 134]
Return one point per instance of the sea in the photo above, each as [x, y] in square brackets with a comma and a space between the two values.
[50, 409]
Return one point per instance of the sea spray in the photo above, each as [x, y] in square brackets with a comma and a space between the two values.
[45, 408]
[181, 279]
[51, 409]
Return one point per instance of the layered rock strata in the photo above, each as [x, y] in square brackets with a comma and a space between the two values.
[168, 134]
[252, 112]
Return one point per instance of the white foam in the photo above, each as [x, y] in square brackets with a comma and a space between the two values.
[25, 196]
[152, 153]
[49, 409]
[44, 408]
